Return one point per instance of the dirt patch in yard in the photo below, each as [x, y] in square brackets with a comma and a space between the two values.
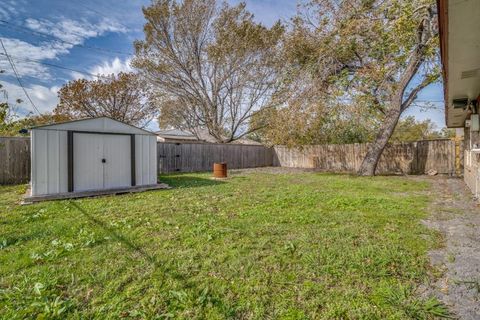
[456, 215]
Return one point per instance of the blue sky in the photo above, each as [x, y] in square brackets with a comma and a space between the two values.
[96, 37]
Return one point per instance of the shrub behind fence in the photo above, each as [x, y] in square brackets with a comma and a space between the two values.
[407, 158]
[443, 156]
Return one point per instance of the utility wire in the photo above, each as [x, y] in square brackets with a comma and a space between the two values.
[22, 29]
[18, 78]
[99, 13]
[55, 66]
[51, 77]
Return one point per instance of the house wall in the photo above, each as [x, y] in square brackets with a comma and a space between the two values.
[471, 174]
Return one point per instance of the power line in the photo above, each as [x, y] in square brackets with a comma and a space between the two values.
[43, 34]
[99, 13]
[18, 77]
[55, 66]
[51, 77]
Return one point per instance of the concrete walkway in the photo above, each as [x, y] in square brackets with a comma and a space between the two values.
[456, 215]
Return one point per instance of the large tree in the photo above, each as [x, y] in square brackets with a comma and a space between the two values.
[124, 97]
[211, 65]
[308, 124]
[409, 129]
[377, 54]
[409, 34]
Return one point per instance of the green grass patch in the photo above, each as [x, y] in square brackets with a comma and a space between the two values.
[293, 246]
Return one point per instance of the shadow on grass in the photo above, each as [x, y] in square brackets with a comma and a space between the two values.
[117, 236]
[166, 267]
[188, 181]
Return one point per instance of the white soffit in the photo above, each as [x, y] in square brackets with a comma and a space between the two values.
[463, 56]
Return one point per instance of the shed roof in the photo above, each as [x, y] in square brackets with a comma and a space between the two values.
[98, 124]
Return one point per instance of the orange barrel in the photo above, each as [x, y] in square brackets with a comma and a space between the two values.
[220, 170]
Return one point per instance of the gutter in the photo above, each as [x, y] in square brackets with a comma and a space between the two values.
[442, 12]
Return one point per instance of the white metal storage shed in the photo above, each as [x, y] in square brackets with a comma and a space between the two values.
[91, 154]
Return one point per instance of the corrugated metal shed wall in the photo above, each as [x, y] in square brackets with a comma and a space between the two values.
[146, 159]
[49, 162]
[49, 153]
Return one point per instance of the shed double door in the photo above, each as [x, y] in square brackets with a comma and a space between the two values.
[101, 161]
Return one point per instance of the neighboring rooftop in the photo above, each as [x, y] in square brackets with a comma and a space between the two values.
[202, 135]
[174, 135]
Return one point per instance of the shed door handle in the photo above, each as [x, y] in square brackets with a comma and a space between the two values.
[104, 161]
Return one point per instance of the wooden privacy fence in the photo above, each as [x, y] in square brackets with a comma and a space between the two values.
[444, 156]
[195, 157]
[407, 158]
[14, 160]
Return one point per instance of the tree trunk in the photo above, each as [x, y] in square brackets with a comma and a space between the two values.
[375, 149]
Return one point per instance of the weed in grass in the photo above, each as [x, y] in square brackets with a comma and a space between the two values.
[296, 246]
[3, 243]
[403, 299]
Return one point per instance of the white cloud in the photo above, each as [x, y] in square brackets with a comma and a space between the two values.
[116, 66]
[77, 75]
[10, 8]
[74, 31]
[44, 98]
[21, 52]
[66, 33]
[70, 33]
[4, 14]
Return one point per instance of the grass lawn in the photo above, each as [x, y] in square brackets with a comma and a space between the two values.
[257, 246]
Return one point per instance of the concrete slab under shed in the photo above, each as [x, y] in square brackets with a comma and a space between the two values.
[84, 194]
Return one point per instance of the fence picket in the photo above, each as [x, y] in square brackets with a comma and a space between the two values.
[14, 160]
[408, 158]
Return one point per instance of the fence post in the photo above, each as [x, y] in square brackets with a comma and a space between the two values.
[458, 157]
[415, 164]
